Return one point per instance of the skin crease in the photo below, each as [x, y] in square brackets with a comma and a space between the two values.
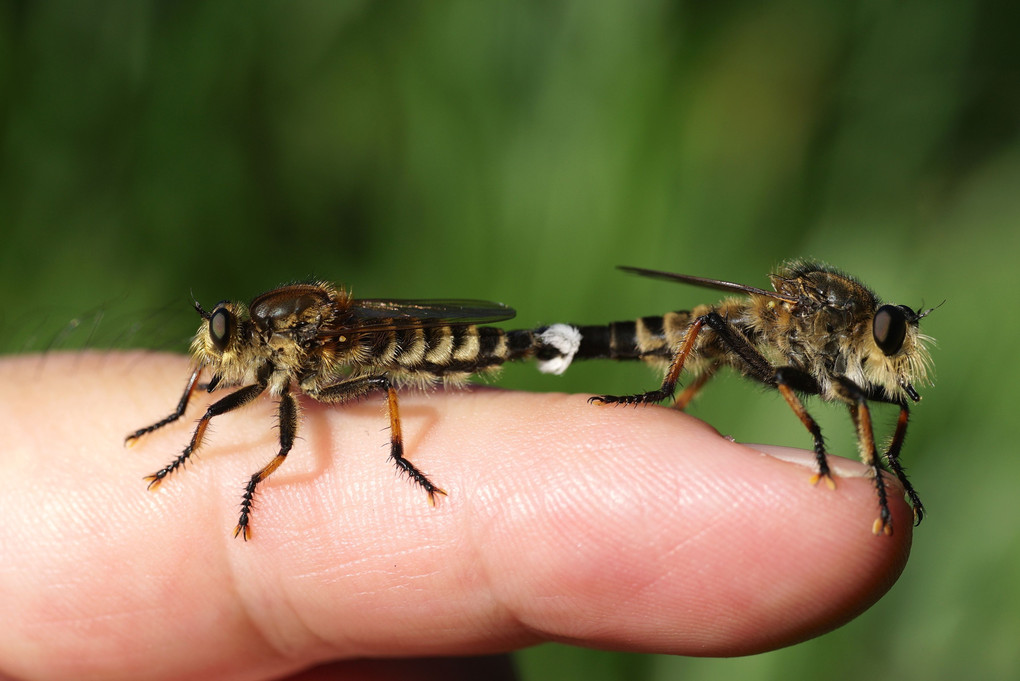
[613, 528]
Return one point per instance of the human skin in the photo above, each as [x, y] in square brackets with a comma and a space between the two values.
[614, 528]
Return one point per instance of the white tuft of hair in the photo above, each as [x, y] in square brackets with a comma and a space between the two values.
[564, 338]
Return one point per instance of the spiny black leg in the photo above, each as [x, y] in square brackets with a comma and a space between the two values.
[668, 386]
[232, 401]
[182, 405]
[754, 363]
[397, 450]
[788, 380]
[353, 389]
[861, 415]
[892, 455]
[288, 429]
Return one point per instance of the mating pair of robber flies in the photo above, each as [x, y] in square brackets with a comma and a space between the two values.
[819, 332]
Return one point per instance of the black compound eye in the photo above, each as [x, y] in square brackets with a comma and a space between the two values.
[890, 328]
[220, 328]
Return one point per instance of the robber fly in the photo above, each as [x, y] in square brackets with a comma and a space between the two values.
[316, 339]
[820, 332]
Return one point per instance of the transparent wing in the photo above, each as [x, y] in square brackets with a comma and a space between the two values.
[708, 283]
[395, 315]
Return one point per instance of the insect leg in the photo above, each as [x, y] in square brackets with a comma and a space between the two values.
[755, 364]
[288, 429]
[177, 413]
[397, 450]
[892, 455]
[788, 380]
[691, 390]
[353, 389]
[234, 400]
[861, 415]
[668, 386]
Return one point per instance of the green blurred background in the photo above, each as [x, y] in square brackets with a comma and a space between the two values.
[518, 151]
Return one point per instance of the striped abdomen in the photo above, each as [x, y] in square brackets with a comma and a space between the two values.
[450, 352]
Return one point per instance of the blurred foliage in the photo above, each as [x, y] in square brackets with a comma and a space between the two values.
[517, 151]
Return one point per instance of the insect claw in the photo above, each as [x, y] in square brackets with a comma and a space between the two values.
[432, 495]
[830, 482]
[615, 400]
